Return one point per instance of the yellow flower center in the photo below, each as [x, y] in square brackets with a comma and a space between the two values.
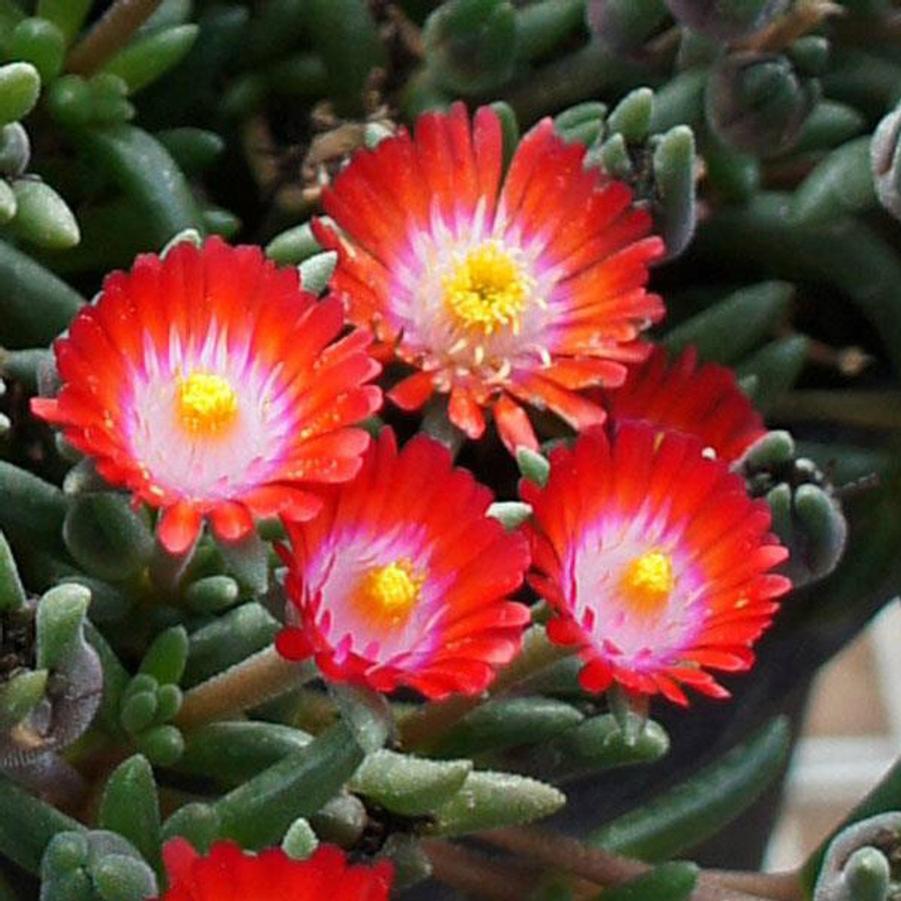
[648, 581]
[487, 290]
[389, 593]
[207, 403]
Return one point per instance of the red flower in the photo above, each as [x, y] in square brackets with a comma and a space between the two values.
[402, 579]
[229, 874]
[207, 384]
[655, 560]
[498, 289]
[704, 401]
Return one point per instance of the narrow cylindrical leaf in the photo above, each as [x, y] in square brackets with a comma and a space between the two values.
[491, 800]
[107, 536]
[212, 594]
[674, 162]
[148, 175]
[341, 820]
[508, 723]
[228, 640]
[533, 466]
[20, 87]
[67, 15]
[12, 594]
[24, 837]
[15, 149]
[193, 149]
[600, 743]
[146, 59]
[259, 812]
[166, 657]
[700, 806]
[831, 123]
[237, 751]
[139, 711]
[409, 785]
[672, 881]
[294, 245]
[625, 25]
[541, 26]
[776, 367]
[130, 806]
[41, 43]
[59, 621]
[33, 510]
[198, 823]
[162, 745]
[632, 116]
[43, 217]
[867, 875]
[316, 271]
[840, 185]
[20, 695]
[347, 39]
[117, 877]
[735, 325]
[471, 44]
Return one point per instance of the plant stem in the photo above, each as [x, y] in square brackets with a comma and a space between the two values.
[110, 34]
[260, 678]
[430, 722]
[471, 874]
[565, 853]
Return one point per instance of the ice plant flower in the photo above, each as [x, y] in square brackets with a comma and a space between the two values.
[499, 290]
[229, 874]
[704, 401]
[403, 579]
[208, 383]
[655, 560]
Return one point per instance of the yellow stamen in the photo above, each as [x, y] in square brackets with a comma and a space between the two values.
[207, 403]
[648, 581]
[487, 290]
[389, 593]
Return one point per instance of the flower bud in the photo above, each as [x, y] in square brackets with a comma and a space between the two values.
[758, 103]
[471, 44]
[726, 20]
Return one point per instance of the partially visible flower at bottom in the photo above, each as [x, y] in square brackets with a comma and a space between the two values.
[655, 560]
[680, 395]
[229, 874]
[403, 579]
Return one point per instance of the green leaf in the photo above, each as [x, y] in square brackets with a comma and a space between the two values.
[673, 881]
[148, 175]
[139, 710]
[118, 877]
[212, 594]
[227, 640]
[146, 59]
[867, 875]
[295, 245]
[12, 594]
[43, 217]
[735, 325]
[8, 204]
[198, 823]
[632, 116]
[533, 466]
[674, 176]
[59, 622]
[193, 149]
[490, 800]
[40, 43]
[130, 807]
[237, 751]
[20, 695]
[24, 837]
[407, 785]
[511, 514]
[347, 39]
[259, 812]
[840, 185]
[542, 26]
[165, 659]
[106, 536]
[162, 745]
[248, 561]
[701, 805]
[67, 15]
[508, 723]
[366, 713]
[776, 367]
[20, 87]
